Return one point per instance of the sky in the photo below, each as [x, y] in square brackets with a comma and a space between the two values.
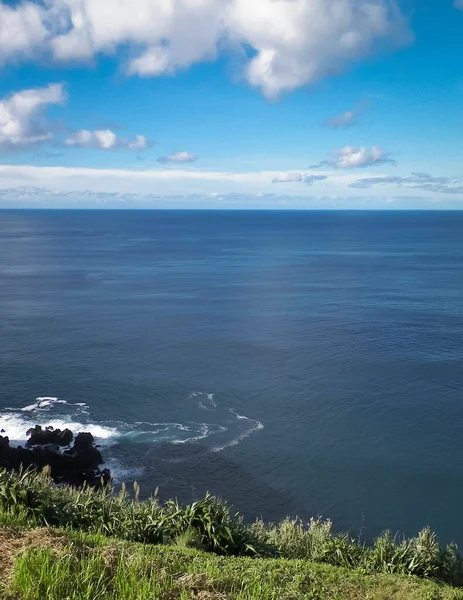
[275, 104]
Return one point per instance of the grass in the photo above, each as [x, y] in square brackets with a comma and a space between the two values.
[67, 566]
[78, 544]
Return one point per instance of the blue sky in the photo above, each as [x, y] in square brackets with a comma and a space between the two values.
[231, 103]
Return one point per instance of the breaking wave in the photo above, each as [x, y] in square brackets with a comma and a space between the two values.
[227, 428]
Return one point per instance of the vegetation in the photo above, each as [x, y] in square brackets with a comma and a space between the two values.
[64, 543]
[58, 565]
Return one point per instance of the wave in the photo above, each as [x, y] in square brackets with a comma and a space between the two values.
[42, 402]
[207, 431]
[61, 414]
[206, 401]
[121, 473]
[174, 433]
[15, 423]
[255, 426]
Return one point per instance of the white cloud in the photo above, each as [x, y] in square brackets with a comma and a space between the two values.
[417, 181]
[352, 158]
[306, 178]
[289, 43]
[44, 197]
[73, 187]
[164, 181]
[152, 62]
[347, 118]
[299, 42]
[178, 157]
[22, 31]
[342, 121]
[458, 4]
[139, 143]
[104, 139]
[23, 122]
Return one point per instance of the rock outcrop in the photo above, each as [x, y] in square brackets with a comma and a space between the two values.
[48, 436]
[76, 465]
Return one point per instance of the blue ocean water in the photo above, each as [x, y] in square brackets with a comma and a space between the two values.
[304, 363]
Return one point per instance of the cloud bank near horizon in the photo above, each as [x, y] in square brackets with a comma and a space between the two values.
[70, 186]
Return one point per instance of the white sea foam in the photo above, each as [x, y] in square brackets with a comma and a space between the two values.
[44, 402]
[61, 414]
[255, 426]
[238, 416]
[120, 473]
[205, 432]
[16, 422]
[49, 400]
[29, 408]
[206, 401]
[41, 402]
[15, 427]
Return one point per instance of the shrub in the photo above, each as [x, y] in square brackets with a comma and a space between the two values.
[421, 556]
[32, 498]
[292, 539]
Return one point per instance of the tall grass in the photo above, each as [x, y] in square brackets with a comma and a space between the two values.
[132, 572]
[33, 499]
[421, 555]
[45, 574]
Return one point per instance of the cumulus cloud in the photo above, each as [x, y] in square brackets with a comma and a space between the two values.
[417, 181]
[104, 139]
[178, 157]
[354, 158]
[23, 121]
[24, 124]
[22, 31]
[299, 42]
[298, 178]
[288, 44]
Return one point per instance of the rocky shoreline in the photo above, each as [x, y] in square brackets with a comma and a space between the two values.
[72, 460]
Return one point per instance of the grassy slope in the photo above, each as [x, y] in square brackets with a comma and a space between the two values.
[34, 501]
[57, 565]
[98, 555]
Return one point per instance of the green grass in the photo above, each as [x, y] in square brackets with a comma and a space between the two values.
[291, 549]
[93, 567]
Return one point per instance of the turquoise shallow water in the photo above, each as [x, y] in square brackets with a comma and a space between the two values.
[307, 363]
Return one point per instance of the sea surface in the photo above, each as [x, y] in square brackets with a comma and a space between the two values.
[305, 363]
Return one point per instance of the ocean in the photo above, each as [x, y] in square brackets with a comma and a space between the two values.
[303, 363]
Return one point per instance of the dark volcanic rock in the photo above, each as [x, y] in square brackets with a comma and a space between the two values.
[84, 451]
[79, 464]
[83, 441]
[47, 436]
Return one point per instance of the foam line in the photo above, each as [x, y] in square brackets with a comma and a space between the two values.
[60, 414]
